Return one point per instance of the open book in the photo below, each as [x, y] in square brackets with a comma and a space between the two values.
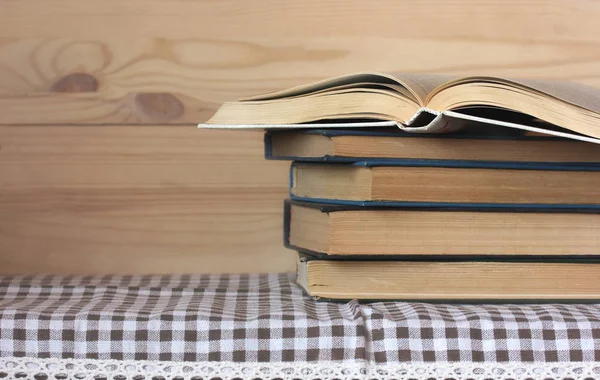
[422, 103]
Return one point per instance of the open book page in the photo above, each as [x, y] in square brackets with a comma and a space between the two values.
[422, 84]
[344, 81]
[574, 93]
[418, 85]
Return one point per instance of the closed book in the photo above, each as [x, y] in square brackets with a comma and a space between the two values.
[347, 231]
[447, 183]
[482, 281]
[351, 145]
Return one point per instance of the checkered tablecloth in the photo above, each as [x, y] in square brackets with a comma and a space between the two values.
[267, 318]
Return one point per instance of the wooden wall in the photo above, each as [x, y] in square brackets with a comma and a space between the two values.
[101, 168]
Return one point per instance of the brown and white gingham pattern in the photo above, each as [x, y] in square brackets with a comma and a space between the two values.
[266, 318]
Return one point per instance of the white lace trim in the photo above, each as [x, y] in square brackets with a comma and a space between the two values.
[81, 369]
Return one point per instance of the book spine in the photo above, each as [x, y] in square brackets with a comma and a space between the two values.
[291, 179]
[268, 146]
[287, 218]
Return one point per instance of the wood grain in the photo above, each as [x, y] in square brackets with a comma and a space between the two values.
[155, 62]
[138, 200]
[82, 199]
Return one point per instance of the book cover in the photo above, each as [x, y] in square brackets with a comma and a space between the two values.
[440, 232]
[530, 190]
[474, 144]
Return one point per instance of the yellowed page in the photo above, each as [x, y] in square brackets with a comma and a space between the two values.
[351, 80]
[422, 84]
[573, 93]
[419, 85]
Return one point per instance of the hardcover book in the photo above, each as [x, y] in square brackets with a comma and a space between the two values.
[458, 183]
[351, 231]
[472, 144]
[488, 281]
[422, 103]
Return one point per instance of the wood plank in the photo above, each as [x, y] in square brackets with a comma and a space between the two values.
[80, 199]
[139, 200]
[157, 62]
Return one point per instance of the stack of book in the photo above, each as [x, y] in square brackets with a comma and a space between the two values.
[482, 212]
